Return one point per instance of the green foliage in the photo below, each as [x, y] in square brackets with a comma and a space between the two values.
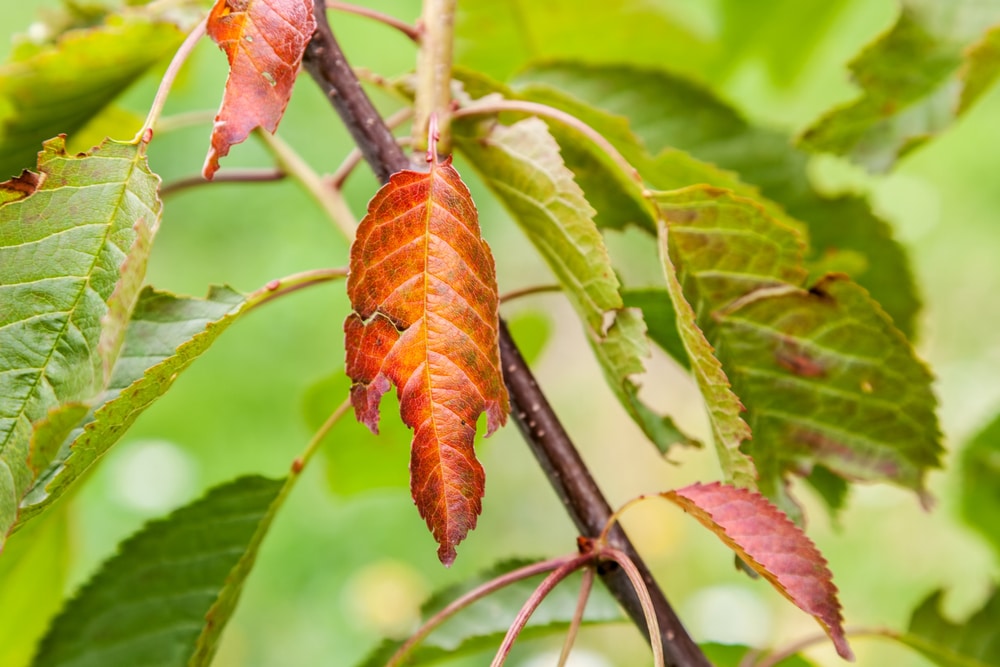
[973, 643]
[911, 81]
[58, 88]
[165, 335]
[168, 593]
[981, 483]
[69, 280]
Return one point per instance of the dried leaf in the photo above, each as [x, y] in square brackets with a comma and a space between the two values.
[772, 545]
[264, 41]
[423, 286]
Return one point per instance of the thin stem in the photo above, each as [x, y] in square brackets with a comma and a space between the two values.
[402, 26]
[776, 657]
[330, 200]
[283, 286]
[227, 176]
[166, 83]
[616, 515]
[300, 462]
[528, 291]
[569, 120]
[640, 589]
[433, 94]
[586, 584]
[339, 177]
[531, 604]
[475, 594]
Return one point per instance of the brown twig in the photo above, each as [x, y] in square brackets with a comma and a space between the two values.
[534, 416]
[226, 176]
[402, 26]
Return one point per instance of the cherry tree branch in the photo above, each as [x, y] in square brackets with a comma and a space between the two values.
[536, 419]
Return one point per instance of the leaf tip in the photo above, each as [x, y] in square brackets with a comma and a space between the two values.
[446, 554]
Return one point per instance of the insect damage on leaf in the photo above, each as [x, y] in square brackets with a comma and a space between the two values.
[264, 41]
[423, 288]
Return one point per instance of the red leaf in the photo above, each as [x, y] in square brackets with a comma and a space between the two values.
[264, 41]
[772, 545]
[423, 286]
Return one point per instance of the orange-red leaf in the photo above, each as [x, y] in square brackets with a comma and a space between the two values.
[772, 545]
[264, 41]
[423, 286]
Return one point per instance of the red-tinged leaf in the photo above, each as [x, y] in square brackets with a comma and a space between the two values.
[423, 286]
[264, 41]
[19, 187]
[772, 545]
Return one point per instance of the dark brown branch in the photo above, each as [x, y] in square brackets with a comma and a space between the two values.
[534, 416]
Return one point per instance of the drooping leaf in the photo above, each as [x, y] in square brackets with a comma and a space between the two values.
[71, 257]
[981, 483]
[824, 375]
[52, 89]
[910, 84]
[972, 643]
[423, 286]
[165, 598]
[669, 114]
[481, 627]
[165, 335]
[264, 41]
[773, 546]
[724, 408]
[522, 165]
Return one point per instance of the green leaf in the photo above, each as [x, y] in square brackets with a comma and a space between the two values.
[981, 483]
[972, 643]
[982, 62]
[481, 627]
[670, 114]
[165, 598]
[166, 334]
[728, 428]
[58, 88]
[33, 573]
[644, 32]
[72, 254]
[825, 376]
[522, 165]
[732, 655]
[909, 80]
[661, 320]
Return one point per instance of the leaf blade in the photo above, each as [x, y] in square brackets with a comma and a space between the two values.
[150, 601]
[264, 41]
[972, 643]
[767, 540]
[423, 287]
[62, 250]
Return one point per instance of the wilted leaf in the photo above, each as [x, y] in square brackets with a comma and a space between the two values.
[981, 483]
[910, 88]
[165, 598]
[165, 335]
[824, 375]
[58, 88]
[481, 626]
[522, 165]
[670, 114]
[71, 258]
[972, 643]
[264, 41]
[423, 287]
[772, 545]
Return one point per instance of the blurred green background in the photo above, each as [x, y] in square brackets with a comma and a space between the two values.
[346, 564]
